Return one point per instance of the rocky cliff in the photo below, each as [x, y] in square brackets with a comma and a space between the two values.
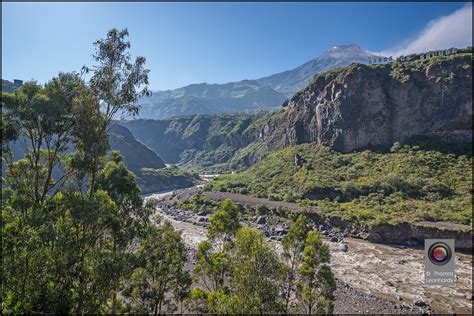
[247, 95]
[351, 108]
[364, 106]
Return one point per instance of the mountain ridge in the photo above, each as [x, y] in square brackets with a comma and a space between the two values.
[351, 108]
[247, 95]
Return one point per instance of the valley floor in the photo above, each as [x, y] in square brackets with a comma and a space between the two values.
[372, 278]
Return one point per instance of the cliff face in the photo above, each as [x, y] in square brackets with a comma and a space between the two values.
[374, 106]
[348, 109]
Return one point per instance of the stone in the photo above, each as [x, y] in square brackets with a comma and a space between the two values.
[334, 239]
[261, 220]
[281, 231]
[343, 247]
[420, 303]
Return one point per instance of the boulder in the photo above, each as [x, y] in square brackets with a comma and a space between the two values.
[420, 303]
[281, 231]
[343, 247]
[261, 220]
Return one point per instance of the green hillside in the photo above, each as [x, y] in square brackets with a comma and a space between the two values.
[405, 185]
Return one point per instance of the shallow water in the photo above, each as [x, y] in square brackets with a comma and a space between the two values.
[386, 271]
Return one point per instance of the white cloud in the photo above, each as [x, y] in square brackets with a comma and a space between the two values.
[454, 30]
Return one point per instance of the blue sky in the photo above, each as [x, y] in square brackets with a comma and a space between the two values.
[188, 43]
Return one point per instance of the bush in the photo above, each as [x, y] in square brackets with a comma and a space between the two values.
[408, 184]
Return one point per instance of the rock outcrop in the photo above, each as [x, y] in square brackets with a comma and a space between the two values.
[352, 108]
[364, 106]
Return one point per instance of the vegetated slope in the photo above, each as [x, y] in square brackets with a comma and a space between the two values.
[405, 185]
[217, 141]
[293, 80]
[203, 98]
[135, 154]
[363, 106]
[150, 170]
[247, 95]
[424, 102]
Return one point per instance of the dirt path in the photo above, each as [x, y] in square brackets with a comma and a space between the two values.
[253, 201]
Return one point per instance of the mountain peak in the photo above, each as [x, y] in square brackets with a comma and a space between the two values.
[347, 51]
[346, 47]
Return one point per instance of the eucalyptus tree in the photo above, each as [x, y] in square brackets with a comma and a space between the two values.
[293, 245]
[212, 257]
[67, 235]
[117, 84]
[316, 284]
[161, 256]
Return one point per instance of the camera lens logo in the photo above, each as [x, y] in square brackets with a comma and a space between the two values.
[439, 253]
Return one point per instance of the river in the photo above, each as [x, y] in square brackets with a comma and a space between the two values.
[392, 273]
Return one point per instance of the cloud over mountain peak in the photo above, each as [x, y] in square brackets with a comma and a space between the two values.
[453, 30]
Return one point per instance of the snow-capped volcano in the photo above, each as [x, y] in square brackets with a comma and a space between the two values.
[248, 95]
[293, 80]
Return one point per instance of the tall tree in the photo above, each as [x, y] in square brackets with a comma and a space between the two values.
[44, 125]
[212, 257]
[256, 274]
[65, 251]
[317, 284]
[293, 246]
[116, 82]
[162, 254]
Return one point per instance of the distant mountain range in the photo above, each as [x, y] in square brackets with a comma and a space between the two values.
[203, 98]
[427, 103]
[289, 82]
[247, 95]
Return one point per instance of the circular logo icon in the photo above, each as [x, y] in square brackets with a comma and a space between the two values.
[439, 253]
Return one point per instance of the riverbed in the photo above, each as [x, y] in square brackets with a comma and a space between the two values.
[388, 272]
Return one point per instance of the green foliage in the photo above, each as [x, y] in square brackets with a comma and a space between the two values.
[161, 257]
[406, 185]
[116, 82]
[256, 274]
[166, 179]
[212, 266]
[238, 271]
[199, 203]
[317, 284]
[225, 222]
[68, 238]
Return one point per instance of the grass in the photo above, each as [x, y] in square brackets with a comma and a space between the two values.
[408, 185]
[166, 179]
